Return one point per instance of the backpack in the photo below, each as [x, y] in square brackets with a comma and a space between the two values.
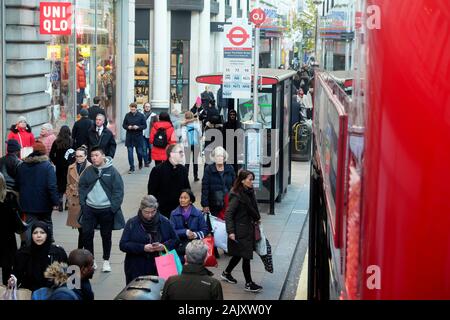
[191, 134]
[48, 293]
[160, 140]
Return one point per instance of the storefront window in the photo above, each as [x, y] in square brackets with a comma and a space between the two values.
[141, 71]
[179, 75]
[83, 64]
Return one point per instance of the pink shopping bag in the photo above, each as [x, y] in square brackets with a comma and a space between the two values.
[166, 265]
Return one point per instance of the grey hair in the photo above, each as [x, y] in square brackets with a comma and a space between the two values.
[218, 151]
[149, 201]
[196, 252]
[2, 188]
[47, 126]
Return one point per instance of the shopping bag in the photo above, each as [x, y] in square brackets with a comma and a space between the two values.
[210, 260]
[10, 292]
[267, 259]
[166, 264]
[261, 245]
[221, 214]
[219, 231]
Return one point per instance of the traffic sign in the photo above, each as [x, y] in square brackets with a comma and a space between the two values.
[257, 16]
[237, 36]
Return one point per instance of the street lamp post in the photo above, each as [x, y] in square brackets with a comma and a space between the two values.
[317, 3]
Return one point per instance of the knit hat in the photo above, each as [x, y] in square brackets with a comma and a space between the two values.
[84, 113]
[39, 147]
[20, 119]
[12, 146]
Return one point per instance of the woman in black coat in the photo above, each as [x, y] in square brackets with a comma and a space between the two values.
[8, 246]
[217, 182]
[241, 216]
[61, 155]
[143, 239]
[31, 261]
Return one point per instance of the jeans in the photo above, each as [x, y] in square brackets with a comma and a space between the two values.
[80, 96]
[192, 152]
[131, 156]
[146, 150]
[245, 267]
[31, 218]
[91, 218]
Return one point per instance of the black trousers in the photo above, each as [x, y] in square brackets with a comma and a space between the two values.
[91, 218]
[245, 267]
[192, 153]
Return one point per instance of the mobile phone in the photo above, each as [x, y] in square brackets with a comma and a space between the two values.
[156, 244]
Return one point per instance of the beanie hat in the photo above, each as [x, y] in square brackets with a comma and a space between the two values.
[13, 146]
[39, 147]
[20, 119]
[84, 113]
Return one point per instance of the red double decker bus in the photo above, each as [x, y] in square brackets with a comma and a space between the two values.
[380, 173]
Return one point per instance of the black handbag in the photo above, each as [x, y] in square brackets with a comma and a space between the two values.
[19, 225]
[217, 199]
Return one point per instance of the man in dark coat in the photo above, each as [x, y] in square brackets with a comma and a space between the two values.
[233, 144]
[194, 283]
[80, 131]
[134, 123]
[168, 179]
[101, 136]
[10, 163]
[95, 109]
[36, 179]
[101, 192]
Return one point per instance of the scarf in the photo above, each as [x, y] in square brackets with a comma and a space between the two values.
[186, 212]
[151, 226]
[81, 167]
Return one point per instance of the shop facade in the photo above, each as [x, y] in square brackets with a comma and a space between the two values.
[49, 78]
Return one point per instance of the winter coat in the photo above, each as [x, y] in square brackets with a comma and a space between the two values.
[61, 158]
[73, 197]
[165, 183]
[134, 137]
[24, 136]
[8, 167]
[240, 217]
[191, 134]
[36, 179]
[8, 244]
[150, 119]
[232, 146]
[159, 154]
[23, 264]
[47, 140]
[105, 141]
[212, 182]
[80, 132]
[111, 182]
[196, 223]
[94, 110]
[81, 77]
[193, 284]
[134, 238]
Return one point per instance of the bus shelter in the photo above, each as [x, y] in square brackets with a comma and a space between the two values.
[269, 139]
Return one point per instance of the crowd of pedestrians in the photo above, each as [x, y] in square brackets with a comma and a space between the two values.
[36, 174]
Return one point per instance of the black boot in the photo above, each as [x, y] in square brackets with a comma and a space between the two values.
[60, 207]
[66, 206]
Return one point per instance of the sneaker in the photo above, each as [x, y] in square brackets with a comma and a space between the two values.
[95, 265]
[228, 278]
[131, 170]
[252, 287]
[147, 165]
[106, 266]
[140, 166]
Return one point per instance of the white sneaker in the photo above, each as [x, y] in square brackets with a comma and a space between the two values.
[106, 266]
[95, 265]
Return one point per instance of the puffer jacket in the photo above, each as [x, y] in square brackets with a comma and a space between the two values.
[24, 136]
[158, 153]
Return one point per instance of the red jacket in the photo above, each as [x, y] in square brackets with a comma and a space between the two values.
[81, 77]
[23, 136]
[159, 154]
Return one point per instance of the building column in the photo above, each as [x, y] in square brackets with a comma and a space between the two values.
[194, 57]
[234, 10]
[204, 43]
[244, 10]
[161, 56]
[219, 38]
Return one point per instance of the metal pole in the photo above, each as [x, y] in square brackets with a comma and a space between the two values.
[255, 76]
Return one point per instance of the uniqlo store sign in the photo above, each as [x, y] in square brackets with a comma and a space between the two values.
[56, 18]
